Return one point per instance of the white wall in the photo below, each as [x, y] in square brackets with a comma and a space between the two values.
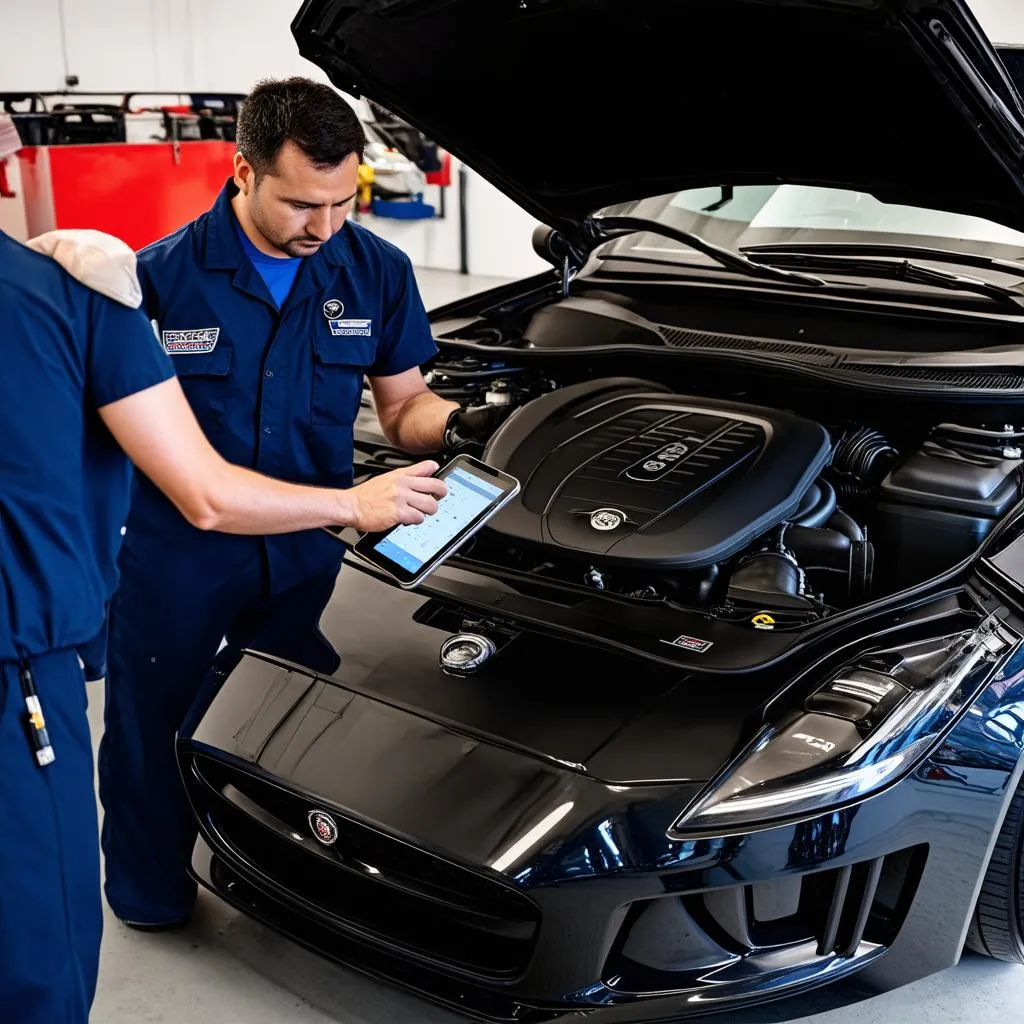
[1002, 20]
[224, 45]
[32, 55]
[161, 44]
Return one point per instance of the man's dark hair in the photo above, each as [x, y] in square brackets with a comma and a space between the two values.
[313, 116]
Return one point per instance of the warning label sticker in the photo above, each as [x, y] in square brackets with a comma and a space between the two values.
[691, 643]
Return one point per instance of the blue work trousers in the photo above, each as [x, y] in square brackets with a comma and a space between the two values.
[166, 623]
[51, 915]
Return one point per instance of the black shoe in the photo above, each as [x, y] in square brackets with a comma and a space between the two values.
[163, 926]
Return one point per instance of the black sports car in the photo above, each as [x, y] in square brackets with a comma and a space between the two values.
[729, 702]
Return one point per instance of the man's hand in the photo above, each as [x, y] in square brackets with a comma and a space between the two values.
[468, 429]
[405, 496]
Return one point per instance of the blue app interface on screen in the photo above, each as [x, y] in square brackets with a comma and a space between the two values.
[412, 546]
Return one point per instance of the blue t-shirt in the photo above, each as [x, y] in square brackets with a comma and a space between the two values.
[64, 482]
[278, 272]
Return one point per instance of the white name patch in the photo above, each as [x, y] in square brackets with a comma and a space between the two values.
[197, 342]
[350, 327]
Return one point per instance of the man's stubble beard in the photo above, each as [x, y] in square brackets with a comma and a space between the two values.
[290, 246]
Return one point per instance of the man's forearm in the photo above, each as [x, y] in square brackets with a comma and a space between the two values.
[237, 500]
[417, 426]
[158, 431]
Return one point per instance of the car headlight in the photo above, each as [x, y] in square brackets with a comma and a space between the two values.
[866, 728]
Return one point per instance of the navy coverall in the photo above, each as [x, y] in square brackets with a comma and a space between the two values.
[276, 389]
[64, 492]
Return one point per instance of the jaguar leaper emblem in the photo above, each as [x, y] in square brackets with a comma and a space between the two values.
[325, 829]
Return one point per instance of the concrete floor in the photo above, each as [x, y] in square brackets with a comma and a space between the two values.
[227, 969]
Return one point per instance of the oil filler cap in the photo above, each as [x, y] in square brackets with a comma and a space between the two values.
[465, 653]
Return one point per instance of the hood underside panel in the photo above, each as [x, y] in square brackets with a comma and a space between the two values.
[572, 105]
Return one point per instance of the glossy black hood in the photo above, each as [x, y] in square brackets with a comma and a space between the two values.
[572, 105]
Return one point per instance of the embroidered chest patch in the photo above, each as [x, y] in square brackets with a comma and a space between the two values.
[342, 328]
[195, 342]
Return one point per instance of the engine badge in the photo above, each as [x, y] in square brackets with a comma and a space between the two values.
[607, 519]
[658, 463]
[325, 828]
[464, 653]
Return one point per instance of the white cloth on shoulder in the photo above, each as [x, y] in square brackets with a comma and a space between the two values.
[100, 261]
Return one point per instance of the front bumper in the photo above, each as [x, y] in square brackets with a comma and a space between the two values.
[510, 888]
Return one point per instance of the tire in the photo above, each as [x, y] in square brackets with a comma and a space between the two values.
[997, 927]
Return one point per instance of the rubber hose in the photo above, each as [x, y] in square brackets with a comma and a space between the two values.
[846, 524]
[820, 514]
[818, 546]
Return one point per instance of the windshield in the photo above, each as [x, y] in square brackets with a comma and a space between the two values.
[752, 215]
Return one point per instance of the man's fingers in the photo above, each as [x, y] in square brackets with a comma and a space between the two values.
[428, 485]
[424, 502]
[426, 468]
[409, 516]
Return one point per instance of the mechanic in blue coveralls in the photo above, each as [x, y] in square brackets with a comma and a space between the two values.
[273, 307]
[86, 386]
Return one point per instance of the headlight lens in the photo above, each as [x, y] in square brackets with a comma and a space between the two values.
[864, 729]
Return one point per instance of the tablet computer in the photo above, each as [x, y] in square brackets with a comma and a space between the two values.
[409, 553]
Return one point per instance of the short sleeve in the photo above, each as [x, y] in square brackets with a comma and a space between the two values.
[406, 339]
[124, 355]
[149, 295]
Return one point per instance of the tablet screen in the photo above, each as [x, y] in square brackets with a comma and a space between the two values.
[412, 547]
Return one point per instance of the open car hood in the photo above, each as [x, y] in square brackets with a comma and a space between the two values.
[569, 106]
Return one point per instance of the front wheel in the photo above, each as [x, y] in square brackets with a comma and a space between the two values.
[997, 928]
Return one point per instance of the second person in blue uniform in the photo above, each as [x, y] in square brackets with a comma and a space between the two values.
[273, 307]
[85, 388]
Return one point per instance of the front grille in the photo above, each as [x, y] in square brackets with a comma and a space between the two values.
[676, 942]
[831, 908]
[368, 881]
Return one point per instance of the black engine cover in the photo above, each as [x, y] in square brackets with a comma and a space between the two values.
[623, 471]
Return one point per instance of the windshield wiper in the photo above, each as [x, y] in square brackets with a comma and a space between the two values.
[605, 229]
[893, 269]
[921, 252]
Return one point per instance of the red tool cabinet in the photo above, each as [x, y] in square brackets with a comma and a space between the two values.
[138, 192]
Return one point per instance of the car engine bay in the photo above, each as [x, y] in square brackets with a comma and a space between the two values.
[745, 511]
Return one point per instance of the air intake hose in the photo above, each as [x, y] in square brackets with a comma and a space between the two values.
[818, 505]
